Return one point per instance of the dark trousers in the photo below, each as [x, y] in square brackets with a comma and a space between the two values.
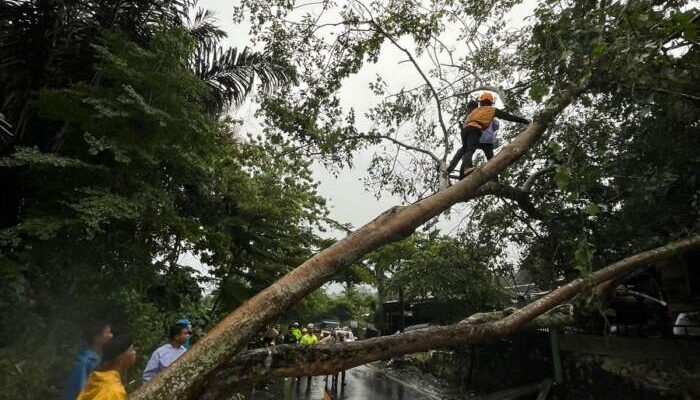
[470, 143]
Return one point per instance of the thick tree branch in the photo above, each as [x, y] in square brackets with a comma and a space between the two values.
[562, 315]
[558, 296]
[186, 378]
[290, 360]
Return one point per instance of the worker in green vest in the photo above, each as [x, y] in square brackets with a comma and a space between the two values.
[295, 333]
[308, 337]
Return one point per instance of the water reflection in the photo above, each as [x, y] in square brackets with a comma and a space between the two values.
[361, 383]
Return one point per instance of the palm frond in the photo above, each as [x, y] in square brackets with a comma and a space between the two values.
[231, 74]
[203, 27]
[5, 128]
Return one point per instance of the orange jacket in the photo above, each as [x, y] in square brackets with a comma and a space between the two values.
[482, 117]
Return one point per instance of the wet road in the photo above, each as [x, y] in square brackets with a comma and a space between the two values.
[361, 383]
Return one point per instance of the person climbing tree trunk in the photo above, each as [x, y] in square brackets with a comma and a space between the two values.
[478, 120]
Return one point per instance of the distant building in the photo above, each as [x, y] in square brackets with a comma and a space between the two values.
[428, 310]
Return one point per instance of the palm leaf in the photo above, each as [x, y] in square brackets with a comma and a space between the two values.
[5, 128]
[203, 27]
[231, 74]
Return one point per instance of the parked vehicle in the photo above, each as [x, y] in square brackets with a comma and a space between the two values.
[327, 325]
[347, 334]
[687, 324]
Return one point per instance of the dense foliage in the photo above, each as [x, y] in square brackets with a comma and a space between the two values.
[119, 163]
[441, 270]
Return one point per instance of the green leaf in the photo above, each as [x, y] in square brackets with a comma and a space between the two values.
[562, 177]
[592, 209]
[583, 256]
[555, 150]
[599, 49]
[537, 91]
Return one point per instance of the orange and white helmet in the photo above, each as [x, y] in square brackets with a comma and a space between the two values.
[486, 96]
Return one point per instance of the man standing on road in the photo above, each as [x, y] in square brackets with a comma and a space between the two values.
[167, 353]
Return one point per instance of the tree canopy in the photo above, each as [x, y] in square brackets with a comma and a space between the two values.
[120, 162]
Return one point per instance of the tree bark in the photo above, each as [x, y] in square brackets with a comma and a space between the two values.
[185, 378]
[325, 359]
[443, 175]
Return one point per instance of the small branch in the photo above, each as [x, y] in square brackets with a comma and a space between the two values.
[500, 92]
[401, 144]
[438, 102]
[687, 96]
[644, 296]
[521, 197]
[531, 179]
[467, 70]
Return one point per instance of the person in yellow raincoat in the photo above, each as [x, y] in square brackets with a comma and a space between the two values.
[105, 383]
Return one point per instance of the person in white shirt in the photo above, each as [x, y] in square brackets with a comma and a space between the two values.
[167, 353]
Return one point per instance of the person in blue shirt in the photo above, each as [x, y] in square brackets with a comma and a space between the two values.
[87, 359]
[167, 353]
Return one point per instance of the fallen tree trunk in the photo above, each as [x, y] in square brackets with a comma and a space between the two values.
[562, 315]
[324, 359]
[184, 379]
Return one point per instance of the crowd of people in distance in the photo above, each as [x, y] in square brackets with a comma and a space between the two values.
[308, 335]
[104, 359]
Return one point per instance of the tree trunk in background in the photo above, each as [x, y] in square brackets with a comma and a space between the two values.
[402, 310]
[326, 359]
[443, 176]
[185, 378]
